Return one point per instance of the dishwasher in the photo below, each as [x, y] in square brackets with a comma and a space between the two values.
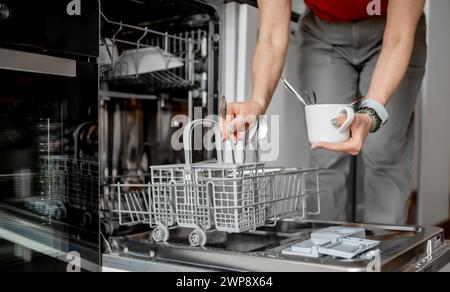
[161, 61]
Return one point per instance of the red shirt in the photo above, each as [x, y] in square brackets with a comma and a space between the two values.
[345, 10]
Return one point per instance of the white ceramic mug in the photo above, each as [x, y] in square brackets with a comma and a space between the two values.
[319, 123]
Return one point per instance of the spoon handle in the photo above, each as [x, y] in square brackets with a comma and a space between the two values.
[291, 89]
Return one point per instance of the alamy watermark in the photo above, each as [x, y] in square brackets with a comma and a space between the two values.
[374, 8]
[257, 135]
[74, 8]
[74, 262]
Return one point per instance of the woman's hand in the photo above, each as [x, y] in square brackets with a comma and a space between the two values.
[240, 117]
[360, 129]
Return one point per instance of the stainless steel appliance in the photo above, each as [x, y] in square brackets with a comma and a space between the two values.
[402, 249]
[133, 248]
[160, 67]
[48, 120]
[65, 139]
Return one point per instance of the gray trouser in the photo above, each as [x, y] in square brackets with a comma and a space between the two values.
[338, 61]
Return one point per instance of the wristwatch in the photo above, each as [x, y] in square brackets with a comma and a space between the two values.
[376, 121]
[376, 111]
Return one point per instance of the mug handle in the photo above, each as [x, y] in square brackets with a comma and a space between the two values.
[350, 118]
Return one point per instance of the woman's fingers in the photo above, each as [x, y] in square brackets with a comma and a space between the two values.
[339, 121]
[240, 117]
[352, 147]
[239, 126]
[359, 131]
[342, 147]
[236, 128]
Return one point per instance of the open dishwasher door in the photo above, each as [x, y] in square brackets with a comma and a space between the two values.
[160, 66]
[401, 249]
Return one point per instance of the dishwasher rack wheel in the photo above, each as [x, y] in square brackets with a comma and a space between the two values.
[160, 233]
[198, 238]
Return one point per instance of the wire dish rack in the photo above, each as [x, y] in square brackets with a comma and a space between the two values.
[178, 53]
[71, 181]
[216, 196]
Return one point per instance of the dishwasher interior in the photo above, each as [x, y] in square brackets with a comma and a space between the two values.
[142, 106]
[159, 69]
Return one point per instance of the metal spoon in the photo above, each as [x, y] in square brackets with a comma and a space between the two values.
[229, 145]
[308, 95]
[291, 89]
[223, 107]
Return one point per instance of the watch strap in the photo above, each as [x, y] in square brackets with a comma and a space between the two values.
[378, 108]
[376, 121]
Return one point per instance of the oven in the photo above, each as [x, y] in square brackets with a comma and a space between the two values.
[50, 26]
[49, 169]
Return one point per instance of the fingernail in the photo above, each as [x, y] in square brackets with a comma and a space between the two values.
[314, 147]
[335, 122]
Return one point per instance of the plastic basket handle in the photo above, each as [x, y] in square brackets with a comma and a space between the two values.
[257, 133]
[187, 139]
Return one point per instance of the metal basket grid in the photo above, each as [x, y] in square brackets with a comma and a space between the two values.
[73, 181]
